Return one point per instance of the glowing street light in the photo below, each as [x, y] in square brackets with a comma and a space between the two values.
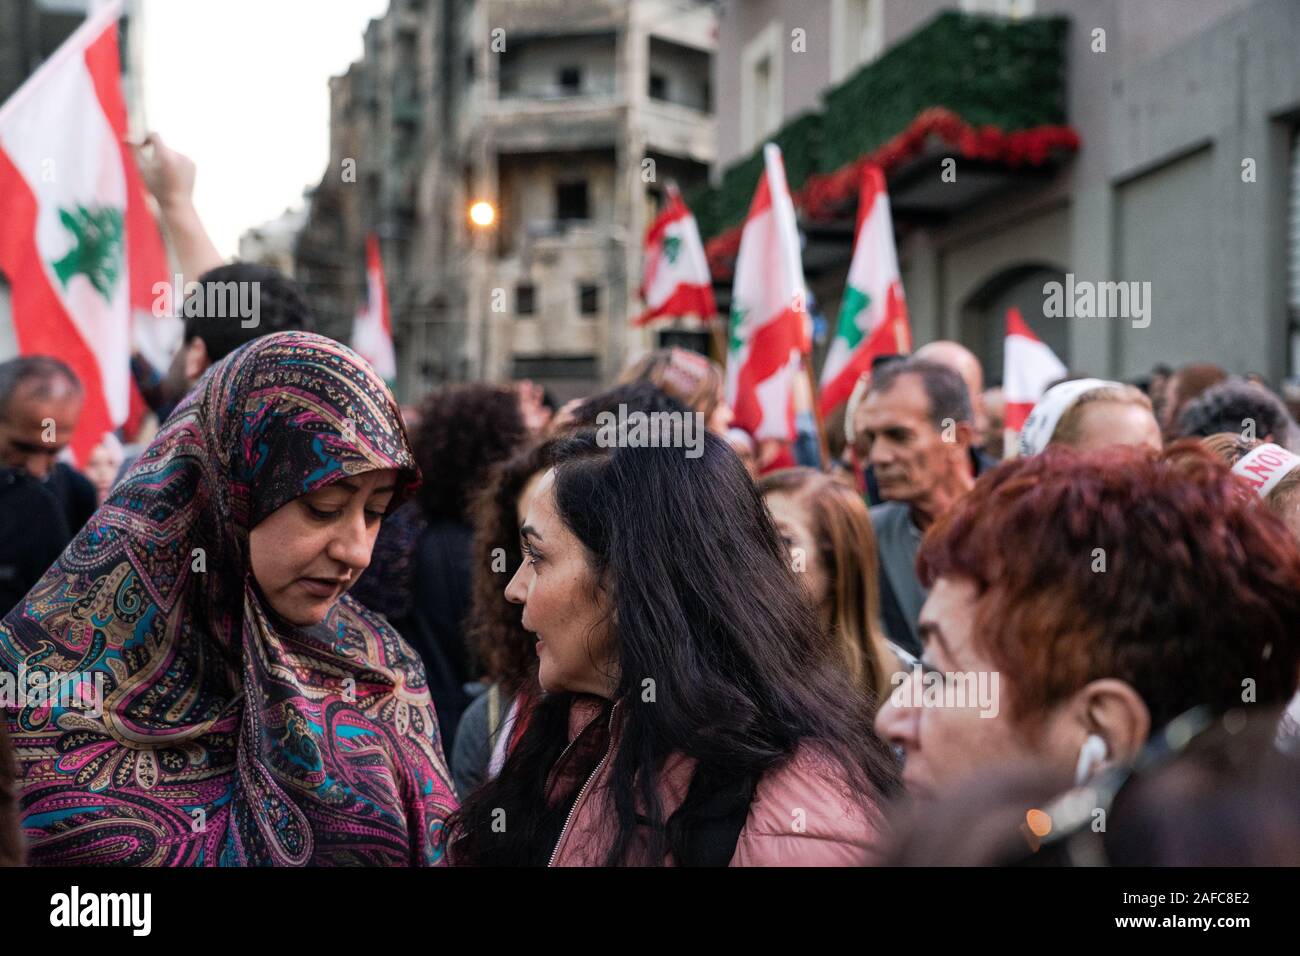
[482, 214]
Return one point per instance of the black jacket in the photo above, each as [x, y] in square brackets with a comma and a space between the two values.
[33, 533]
[75, 495]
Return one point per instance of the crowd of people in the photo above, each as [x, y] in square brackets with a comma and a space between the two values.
[306, 626]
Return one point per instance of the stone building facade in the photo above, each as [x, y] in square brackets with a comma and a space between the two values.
[568, 116]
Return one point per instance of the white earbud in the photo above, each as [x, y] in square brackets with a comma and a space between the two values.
[1093, 752]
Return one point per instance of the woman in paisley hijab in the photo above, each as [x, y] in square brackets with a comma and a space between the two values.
[251, 713]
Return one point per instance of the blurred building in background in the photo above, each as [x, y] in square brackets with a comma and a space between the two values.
[567, 117]
[30, 30]
[1184, 170]
[274, 243]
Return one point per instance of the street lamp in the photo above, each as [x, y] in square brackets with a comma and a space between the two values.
[482, 214]
[482, 217]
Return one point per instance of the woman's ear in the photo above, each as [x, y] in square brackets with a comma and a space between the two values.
[1112, 710]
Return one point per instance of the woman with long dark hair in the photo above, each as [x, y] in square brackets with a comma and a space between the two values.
[496, 719]
[695, 712]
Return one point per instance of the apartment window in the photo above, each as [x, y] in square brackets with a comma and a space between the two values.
[570, 80]
[571, 201]
[761, 85]
[589, 299]
[525, 299]
[762, 77]
[857, 34]
[658, 86]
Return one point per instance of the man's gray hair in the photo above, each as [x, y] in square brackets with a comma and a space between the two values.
[948, 395]
[41, 370]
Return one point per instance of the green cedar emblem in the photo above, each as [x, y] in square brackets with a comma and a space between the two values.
[672, 246]
[856, 302]
[98, 252]
[738, 313]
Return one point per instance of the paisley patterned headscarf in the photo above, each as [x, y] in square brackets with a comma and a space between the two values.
[227, 737]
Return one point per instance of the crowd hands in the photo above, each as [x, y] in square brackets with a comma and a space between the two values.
[911, 639]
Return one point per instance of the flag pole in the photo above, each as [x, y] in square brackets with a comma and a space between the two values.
[822, 443]
[719, 339]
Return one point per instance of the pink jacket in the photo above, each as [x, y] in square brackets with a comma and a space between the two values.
[802, 813]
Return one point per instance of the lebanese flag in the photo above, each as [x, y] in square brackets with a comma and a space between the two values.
[372, 330]
[675, 279]
[78, 244]
[769, 314]
[1028, 367]
[873, 315]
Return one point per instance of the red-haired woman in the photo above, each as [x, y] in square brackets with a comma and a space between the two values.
[1087, 600]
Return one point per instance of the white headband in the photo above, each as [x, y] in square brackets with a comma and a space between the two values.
[1056, 401]
[1265, 466]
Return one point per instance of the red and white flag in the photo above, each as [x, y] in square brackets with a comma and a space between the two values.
[1028, 367]
[675, 279]
[873, 314]
[769, 325]
[78, 244]
[372, 330]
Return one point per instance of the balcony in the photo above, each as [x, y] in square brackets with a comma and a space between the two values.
[986, 89]
[530, 126]
[555, 17]
[677, 130]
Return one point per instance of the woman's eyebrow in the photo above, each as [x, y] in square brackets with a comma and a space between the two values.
[528, 531]
[929, 629]
[349, 486]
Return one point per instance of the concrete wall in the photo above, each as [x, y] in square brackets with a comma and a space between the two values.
[803, 75]
[1186, 121]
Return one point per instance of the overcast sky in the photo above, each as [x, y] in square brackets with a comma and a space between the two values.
[241, 86]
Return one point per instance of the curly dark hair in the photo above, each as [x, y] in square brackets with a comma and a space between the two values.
[1227, 407]
[464, 430]
[494, 628]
